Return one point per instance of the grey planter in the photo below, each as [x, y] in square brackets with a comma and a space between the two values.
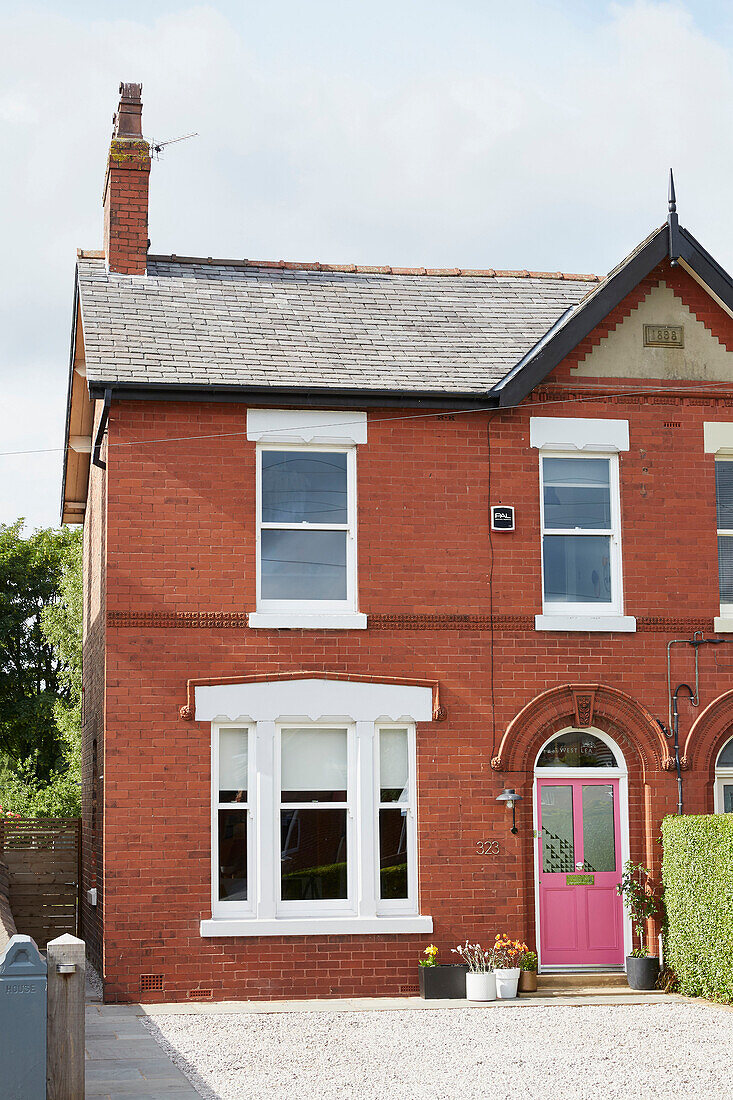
[642, 973]
[438, 982]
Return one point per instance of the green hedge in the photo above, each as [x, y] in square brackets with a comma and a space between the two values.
[698, 893]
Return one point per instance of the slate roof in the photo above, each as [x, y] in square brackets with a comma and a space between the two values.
[246, 323]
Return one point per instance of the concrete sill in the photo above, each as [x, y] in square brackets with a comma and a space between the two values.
[316, 926]
[334, 620]
[610, 624]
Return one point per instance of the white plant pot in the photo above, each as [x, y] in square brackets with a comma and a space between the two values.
[481, 987]
[506, 983]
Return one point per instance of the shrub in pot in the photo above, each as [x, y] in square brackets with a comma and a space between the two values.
[528, 972]
[480, 980]
[505, 957]
[642, 968]
[439, 981]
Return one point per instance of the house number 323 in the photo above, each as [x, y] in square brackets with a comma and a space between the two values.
[487, 847]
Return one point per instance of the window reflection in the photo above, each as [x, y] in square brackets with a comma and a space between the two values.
[577, 749]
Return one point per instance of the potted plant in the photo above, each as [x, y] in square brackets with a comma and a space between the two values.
[480, 981]
[505, 956]
[642, 968]
[528, 972]
[437, 980]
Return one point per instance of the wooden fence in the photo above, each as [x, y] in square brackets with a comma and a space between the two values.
[43, 858]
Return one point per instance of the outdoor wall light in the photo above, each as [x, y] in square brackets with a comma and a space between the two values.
[510, 796]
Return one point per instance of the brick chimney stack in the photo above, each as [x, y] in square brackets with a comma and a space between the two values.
[125, 197]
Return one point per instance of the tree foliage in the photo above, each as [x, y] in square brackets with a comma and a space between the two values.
[40, 670]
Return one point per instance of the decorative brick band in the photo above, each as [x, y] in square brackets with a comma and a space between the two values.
[450, 622]
[145, 620]
[237, 620]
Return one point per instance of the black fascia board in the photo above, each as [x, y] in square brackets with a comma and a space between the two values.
[553, 347]
[297, 397]
[706, 267]
[72, 351]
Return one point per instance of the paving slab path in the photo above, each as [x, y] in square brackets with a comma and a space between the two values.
[124, 1062]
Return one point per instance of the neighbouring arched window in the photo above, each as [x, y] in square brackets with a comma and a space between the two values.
[724, 779]
[577, 749]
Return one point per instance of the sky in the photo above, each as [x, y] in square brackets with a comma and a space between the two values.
[437, 133]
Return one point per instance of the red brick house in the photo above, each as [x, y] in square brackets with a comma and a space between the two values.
[365, 547]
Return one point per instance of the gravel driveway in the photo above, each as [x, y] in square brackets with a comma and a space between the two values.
[675, 1050]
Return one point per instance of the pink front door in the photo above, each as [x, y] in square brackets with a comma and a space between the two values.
[579, 860]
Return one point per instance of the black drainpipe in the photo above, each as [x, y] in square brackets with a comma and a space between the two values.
[676, 733]
[101, 428]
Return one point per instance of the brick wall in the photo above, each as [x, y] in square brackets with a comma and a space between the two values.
[180, 538]
[93, 725]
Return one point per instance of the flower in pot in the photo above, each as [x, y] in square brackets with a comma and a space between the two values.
[642, 968]
[528, 972]
[505, 956]
[438, 981]
[480, 981]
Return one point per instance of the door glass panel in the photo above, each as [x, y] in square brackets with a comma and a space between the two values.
[576, 749]
[599, 836]
[558, 848]
[728, 798]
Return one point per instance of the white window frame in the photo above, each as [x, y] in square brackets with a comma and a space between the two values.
[311, 613]
[723, 777]
[615, 607]
[330, 906]
[219, 907]
[408, 904]
[726, 609]
[265, 709]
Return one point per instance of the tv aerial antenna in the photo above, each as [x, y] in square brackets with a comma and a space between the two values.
[156, 147]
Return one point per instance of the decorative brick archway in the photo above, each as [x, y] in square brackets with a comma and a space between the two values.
[707, 735]
[583, 705]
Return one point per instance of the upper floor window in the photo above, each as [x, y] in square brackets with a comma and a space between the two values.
[724, 503]
[306, 517]
[581, 561]
[306, 528]
[580, 516]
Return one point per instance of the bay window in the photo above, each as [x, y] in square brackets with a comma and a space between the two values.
[314, 826]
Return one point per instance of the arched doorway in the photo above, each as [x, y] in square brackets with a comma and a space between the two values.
[581, 829]
[724, 779]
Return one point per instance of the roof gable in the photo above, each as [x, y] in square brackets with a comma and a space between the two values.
[669, 242]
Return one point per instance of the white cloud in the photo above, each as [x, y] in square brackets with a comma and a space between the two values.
[454, 134]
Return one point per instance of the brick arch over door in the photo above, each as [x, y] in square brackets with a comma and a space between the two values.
[708, 733]
[615, 713]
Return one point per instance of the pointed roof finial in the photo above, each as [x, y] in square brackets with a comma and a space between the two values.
[673, 224]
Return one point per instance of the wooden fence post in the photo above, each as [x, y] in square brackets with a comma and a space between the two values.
[66, 982]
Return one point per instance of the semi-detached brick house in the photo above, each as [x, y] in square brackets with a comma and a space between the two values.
[311, 665]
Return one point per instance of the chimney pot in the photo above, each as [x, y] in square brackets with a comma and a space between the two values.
[125, 197]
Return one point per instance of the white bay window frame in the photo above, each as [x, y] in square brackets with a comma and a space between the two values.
[363, 911]
[219, 907]
[330, 906]
[408, 803]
